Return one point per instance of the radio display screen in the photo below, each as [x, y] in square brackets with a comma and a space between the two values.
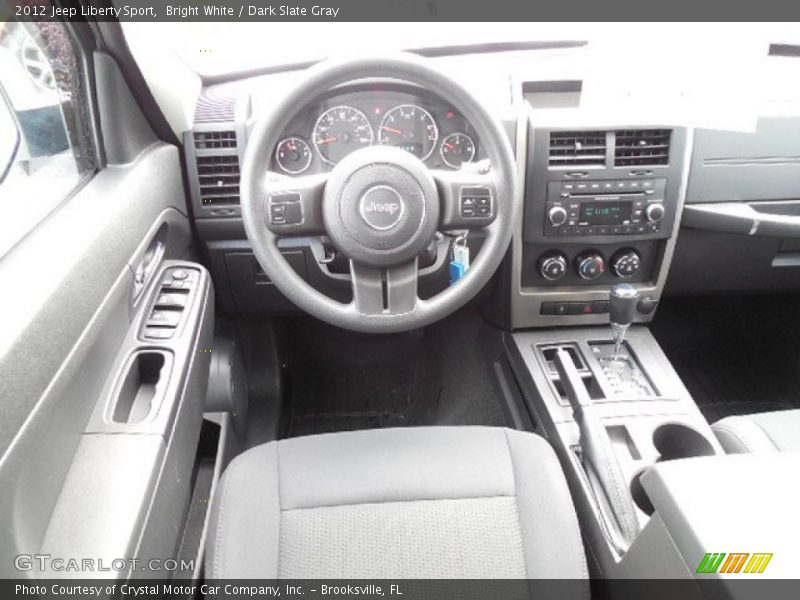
[605, 213]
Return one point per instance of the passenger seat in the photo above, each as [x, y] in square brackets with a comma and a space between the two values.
[777, 431]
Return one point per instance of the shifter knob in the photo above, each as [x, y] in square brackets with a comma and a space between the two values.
[623, 300]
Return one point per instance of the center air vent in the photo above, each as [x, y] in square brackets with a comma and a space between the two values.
[642, 147]
[577, 148]
[205, 140]
[217, 172]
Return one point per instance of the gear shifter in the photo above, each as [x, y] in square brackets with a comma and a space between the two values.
[624, 298]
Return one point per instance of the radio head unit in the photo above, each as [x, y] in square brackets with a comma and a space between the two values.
[604, 207]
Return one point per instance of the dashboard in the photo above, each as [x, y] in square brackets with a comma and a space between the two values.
[612, 191]
[330, 128]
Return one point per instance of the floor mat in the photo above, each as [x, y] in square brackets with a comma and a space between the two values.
[735, 356]
[342, 381]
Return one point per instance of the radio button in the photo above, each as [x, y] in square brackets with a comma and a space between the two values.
[654, 212]
[557, 216]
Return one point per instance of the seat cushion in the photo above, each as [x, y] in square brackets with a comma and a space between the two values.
[777, 431]
[432, 502]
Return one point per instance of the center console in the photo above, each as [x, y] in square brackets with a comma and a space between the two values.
[611, 415]
[601, 206]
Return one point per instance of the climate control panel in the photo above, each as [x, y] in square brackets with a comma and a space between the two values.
[590, 265]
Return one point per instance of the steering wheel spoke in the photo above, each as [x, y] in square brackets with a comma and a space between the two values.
[293, 205]
[388, 291]
[468, 198]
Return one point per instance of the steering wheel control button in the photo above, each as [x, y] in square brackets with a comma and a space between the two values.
[590, 265]
[285, 209]
[476, 202]
[381, 207]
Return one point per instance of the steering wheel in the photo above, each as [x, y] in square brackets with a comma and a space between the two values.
[380, 206]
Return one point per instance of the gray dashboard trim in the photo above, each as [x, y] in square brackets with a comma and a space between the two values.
[526, 301]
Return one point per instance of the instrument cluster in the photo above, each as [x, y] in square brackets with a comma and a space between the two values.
[329, 129]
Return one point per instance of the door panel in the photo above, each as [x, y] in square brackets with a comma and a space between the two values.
[66, 311]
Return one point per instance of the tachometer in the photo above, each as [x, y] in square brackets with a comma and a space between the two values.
[457, 149]
[410, 127]
[293, 155]
[339, 131]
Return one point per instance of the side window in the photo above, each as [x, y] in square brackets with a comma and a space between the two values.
[46, 145]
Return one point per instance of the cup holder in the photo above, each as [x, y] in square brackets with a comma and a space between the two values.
[675, 440]
[640, 497]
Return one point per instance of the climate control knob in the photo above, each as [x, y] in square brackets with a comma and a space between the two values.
[553, 266]
[557, 216]
[626, 263]
[654, 213]
[590, 265]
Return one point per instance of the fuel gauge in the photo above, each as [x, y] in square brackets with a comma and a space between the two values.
[457, 149]
[293, 155]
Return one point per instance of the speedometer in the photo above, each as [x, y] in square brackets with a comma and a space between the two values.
[339, 131]
[410, 127]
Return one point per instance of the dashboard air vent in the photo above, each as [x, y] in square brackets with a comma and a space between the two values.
[577, 148]
[219, 180]
[642, 147]
[205, 140]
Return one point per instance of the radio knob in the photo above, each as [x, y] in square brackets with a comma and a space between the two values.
[655, 212]
[591, 265]
[626, 263]
[557, 216]
[553, 266]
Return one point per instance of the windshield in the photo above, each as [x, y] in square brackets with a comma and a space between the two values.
[217, 49]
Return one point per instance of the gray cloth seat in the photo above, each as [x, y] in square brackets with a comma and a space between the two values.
[777, 431]
[428, 502]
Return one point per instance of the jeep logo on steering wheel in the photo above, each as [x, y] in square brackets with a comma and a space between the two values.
[381, 207]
